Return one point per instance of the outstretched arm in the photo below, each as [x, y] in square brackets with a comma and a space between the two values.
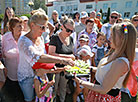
[118, 68]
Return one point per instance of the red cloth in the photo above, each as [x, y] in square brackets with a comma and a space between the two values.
[97, 97]
[132, 81]
[46, 47]
[38, 65]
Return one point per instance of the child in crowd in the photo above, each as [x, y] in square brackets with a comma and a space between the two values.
[84, 54]
[43, 87]
[99, 49]
[83, 40]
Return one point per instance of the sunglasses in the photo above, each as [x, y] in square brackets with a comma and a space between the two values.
[68, 30]
[98, 15]
[42, 27]
[115, 17]
[135, 20]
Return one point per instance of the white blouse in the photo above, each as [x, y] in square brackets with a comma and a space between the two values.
[103, 69]
[29, 53]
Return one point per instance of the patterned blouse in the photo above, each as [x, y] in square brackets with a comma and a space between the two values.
[29, 53]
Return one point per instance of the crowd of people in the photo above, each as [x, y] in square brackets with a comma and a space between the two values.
[34, 53]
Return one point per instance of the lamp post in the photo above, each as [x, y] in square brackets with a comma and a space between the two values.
[96, 1]
[31, 4]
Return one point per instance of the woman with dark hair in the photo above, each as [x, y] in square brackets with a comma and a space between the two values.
[77, 18]
[11, 55]
[9, 13]
[61, 45]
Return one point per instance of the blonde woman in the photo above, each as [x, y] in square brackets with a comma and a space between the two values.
[55, 20]
[31, 50]
[113, 70]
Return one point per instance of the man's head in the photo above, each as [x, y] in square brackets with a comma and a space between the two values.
[89, 25]
[92, 14]
[113, 17]
[83, 16]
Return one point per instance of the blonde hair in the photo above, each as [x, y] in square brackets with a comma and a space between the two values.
[37, 16]
[127, 46]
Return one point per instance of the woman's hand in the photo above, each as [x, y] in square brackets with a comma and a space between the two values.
[72, 57]
[51, 83]
[77, 80]
[67, 61]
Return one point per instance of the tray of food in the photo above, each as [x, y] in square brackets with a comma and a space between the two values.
[81, 69]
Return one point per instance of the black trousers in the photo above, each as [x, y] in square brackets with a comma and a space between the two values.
[11, 91]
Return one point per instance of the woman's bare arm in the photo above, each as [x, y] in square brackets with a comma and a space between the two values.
[118, 68]
[51, 28]
[40, 93]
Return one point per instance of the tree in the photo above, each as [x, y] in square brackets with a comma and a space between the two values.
[40, 4]
[108, 14]
[101, 11]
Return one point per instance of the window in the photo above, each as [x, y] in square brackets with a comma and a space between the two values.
[113, 5]
[137, 4]
[75, 7]
[105, 6]
[70, 8]
[88, 6]
[127, 14]
[67, 9]
[128, 4]
[62, 8]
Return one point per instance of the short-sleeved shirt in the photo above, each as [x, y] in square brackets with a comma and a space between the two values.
[92, 37]
[106, 30]
[29, 53]
[60, 47]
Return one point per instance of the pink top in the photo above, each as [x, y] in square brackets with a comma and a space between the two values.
[11, 54]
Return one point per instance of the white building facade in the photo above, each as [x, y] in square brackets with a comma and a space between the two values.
[126, 7]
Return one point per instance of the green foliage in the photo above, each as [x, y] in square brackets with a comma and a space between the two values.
[1, 17]
[40, 4]
[101, 11]
[108, 14]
